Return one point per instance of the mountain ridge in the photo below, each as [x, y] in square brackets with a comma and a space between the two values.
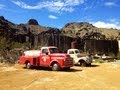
[73, 29]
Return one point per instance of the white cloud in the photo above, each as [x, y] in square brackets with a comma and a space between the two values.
[101, 24]
[52, 17]
[2, 6]
[52, 5]
[110, 4]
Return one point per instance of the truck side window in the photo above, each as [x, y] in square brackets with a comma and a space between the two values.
[71, 52]
[44, 50]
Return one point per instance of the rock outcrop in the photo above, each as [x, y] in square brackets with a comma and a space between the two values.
[32, 22]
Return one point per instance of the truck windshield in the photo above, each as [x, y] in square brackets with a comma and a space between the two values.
[54, 50]
[77, 51]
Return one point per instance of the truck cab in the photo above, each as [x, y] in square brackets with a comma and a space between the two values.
[47, 57]
[78, 58]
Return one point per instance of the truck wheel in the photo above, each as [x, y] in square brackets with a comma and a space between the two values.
[28, 65]
[89, 64]
[55, 67]
[83, 63]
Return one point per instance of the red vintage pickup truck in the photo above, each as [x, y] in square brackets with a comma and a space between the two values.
[46, 57]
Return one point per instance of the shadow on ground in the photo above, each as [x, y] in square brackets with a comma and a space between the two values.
[71, 70]
[49, 69]
[93, 65]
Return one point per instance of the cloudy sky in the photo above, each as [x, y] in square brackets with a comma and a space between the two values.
[56, 13]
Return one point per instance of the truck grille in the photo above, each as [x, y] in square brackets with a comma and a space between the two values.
[68, 62]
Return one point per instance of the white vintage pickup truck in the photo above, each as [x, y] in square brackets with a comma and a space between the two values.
[78, 58]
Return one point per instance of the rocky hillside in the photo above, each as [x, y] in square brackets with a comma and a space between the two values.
[80, 29]
[110, 34]
[84, 30]
[32, 25]
[23, 33]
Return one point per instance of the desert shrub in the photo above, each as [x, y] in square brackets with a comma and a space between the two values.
[16, 45]
[11, 56]
[118, 56]
[8, 54]
[23, 46]
[98, 61]
[4, 43]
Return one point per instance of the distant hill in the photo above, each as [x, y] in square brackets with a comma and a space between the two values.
[84, 29]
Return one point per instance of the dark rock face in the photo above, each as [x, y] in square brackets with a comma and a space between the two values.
[33, 22]
[7, 29]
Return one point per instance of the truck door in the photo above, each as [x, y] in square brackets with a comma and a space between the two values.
[72, 54]
[44, 58]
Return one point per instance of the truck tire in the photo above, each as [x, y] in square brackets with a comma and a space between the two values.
[89, 64]
[83, 64]
[28, 65]
[55, 67]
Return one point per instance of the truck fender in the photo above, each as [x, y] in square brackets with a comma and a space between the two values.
[55, 66]
[52, 62]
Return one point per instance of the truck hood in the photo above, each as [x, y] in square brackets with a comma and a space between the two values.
[59, 55]
[82, 55]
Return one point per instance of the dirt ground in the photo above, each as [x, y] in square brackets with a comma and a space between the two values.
[105, 76]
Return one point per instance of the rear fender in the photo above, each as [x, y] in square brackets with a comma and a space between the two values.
[22, 60]
[27, 62]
